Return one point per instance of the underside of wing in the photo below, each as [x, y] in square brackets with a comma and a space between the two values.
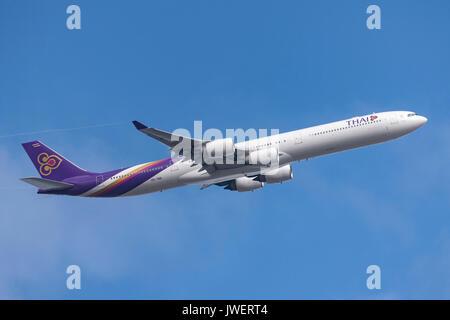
[242, 184]
[226, 184]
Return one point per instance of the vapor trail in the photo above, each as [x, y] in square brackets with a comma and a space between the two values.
[61, 130]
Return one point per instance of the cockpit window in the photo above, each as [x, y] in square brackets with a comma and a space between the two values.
[411, 114]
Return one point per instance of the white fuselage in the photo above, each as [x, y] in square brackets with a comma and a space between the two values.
[293, 146]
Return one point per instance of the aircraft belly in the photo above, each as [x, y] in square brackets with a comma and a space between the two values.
[157, 183]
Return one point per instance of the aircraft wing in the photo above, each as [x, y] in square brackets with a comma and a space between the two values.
[165, 137]
[180, 145]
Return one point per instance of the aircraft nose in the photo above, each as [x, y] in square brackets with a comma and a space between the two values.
[422, 120]
[417, 121]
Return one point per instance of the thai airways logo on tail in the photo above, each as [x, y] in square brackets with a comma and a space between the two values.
[48, 163]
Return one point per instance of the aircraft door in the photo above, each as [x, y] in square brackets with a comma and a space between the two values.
[98, 180]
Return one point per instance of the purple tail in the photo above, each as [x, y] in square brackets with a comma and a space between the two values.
[49, 163]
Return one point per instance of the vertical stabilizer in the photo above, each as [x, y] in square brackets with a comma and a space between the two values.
[49, 163]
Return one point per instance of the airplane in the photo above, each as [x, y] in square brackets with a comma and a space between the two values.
[265, 160]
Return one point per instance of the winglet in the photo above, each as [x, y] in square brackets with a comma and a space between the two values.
[139, 125]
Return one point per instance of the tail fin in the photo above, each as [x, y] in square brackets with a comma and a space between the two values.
[49, 163]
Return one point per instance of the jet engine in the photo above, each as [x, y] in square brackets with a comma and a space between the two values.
[278, 175]
[264, 157]
[245, 184]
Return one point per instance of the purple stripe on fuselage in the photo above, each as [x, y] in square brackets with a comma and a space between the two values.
[84, 183]
[137, 179]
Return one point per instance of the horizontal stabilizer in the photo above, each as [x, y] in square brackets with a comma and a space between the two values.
[46, 184]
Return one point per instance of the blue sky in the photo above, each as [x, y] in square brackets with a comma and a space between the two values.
[231, 64]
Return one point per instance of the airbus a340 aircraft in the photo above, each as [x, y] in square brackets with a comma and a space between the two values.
[60, 176]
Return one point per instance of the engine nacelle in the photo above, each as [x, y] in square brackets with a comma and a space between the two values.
[245, 184]
[278, 175]
[264, 157]
[217, 150]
